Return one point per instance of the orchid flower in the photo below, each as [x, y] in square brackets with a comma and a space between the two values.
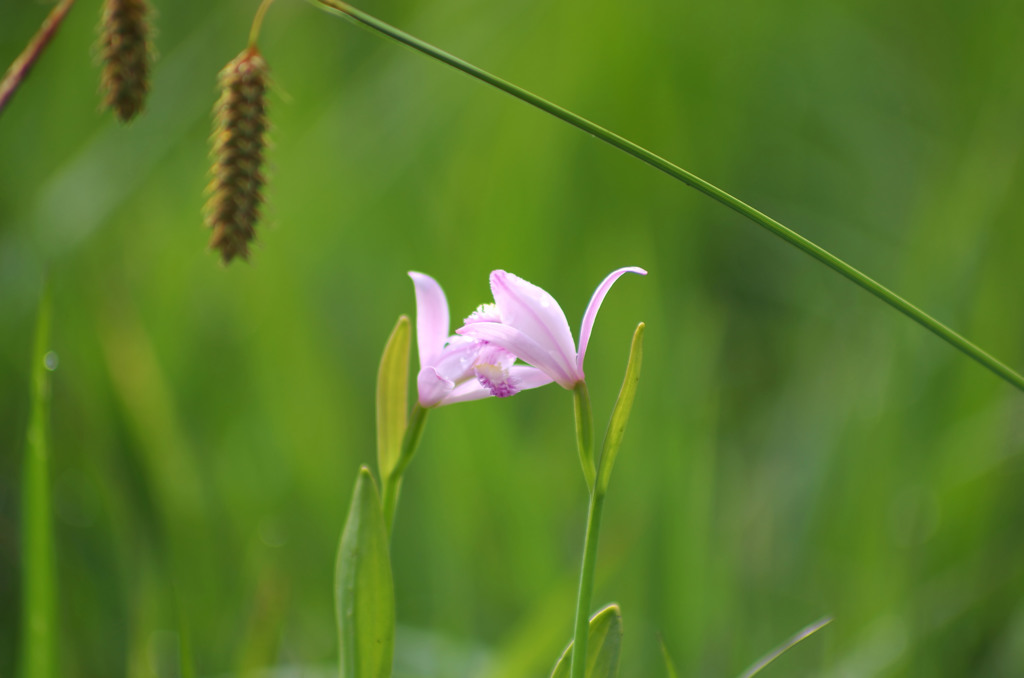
[527, 322]
[456, 369]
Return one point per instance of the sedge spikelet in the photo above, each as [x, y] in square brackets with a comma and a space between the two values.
[239, 138]
[125, 49]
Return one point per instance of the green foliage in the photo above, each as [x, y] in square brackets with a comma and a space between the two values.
[670, 665]
[364, 591]
[795, 448]
[797, 637]
[604, 640]
[392, 397]
[38, 571]
[621, 411]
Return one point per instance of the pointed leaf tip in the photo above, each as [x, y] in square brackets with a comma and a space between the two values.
[604, 641]
[623, 407]
[670, 667]
[364, 591]
[393, 397]
[797, 637]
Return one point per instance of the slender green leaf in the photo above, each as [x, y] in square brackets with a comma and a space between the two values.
[392, 397]
[803, 633]
[39, 596]
[670, 666]
[186, 660]
[620, 413]
[825, 257]
[364, 591]
[604, 640]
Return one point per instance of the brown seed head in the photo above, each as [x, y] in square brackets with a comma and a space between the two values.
[126, 50]
[239, 137]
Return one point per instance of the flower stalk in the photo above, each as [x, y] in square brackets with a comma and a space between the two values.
[598, 483]
[257, 22]
[584, 431]
[581, 626]
[393, 480]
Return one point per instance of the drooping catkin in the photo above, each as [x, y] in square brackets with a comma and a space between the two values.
[239, 138]
[125, 48]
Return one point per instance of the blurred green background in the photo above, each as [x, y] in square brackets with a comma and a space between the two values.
[797, 448]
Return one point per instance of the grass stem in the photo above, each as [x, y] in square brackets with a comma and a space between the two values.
[39, 579]
[952, 337]
[19, 69]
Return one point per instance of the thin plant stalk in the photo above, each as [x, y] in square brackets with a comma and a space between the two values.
[584, 439]
[39, 583]
[597, 480]
[941, 330]
[257, 22]
[19, 69]
[393, 481]
[585, 432]
[582, 625]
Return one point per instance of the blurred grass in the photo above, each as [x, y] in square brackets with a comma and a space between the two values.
[796, 448]
[38, 572]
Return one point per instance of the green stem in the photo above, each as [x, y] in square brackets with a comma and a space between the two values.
[585, 444]
[585, 431]
[39, 579]
[389, 498]
[257, 22]
[835, 263]
[19, 69]
[582, 627]
[393, 483]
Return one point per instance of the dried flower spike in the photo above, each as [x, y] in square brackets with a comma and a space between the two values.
[239, 137]
[125, 49]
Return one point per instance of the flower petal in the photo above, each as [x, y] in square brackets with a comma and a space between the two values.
[592, 308]
[465, 392]
[431, 318]
[431, 387]
[456, 360]
[522, 345]
[529, 377]
[535, 313]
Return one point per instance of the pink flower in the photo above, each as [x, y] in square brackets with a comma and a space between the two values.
[455, 369]
[527, 322]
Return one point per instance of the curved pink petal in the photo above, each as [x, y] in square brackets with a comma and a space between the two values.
[535, 313]
[529, 377]
[592, 308]
[431, 318]
[456, 360]
[431, 387]
[517, 342]
[467, 391]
